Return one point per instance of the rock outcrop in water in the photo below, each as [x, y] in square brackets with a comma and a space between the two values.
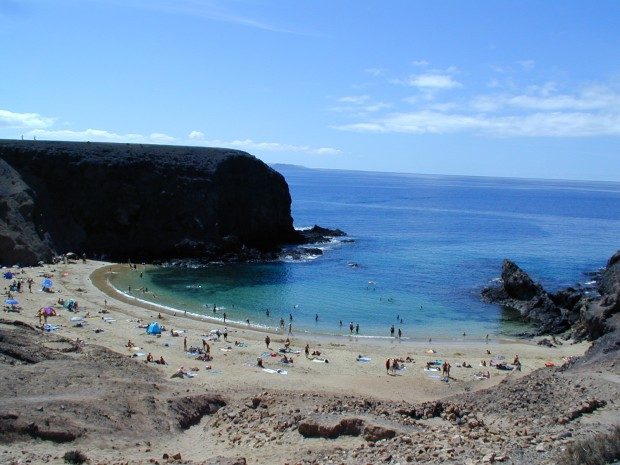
[568, 310]
[140, 202]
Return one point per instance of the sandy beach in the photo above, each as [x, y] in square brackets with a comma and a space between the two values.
[88, 285]
[234, 374]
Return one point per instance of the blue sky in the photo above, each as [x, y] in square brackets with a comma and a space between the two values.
[500, 88]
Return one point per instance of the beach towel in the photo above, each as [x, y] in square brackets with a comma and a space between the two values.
[213, 371]
[47, 327]
[363, 359]
[319, 360]
[280, 372]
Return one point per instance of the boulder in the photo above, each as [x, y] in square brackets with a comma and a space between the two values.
[567, 309]
[517, 284]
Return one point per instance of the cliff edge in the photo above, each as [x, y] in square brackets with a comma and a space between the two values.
[139, 202]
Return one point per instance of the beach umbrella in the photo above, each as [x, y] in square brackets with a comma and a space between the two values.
[48, 283]
[11, 302]
[49, 311]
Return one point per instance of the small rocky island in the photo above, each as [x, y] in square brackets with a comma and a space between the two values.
[141, 202]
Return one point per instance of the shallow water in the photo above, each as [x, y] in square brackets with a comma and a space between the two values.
[424, 247]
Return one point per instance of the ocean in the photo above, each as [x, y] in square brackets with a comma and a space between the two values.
[424, 246]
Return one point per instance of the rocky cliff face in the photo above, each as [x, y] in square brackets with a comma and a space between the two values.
[140, 202]
[568, 309]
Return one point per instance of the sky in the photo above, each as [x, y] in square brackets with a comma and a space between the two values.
[488, 88]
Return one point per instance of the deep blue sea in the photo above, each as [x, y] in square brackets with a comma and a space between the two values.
[424, 247]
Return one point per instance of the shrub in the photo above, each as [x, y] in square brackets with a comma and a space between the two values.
[594, 450]
[75, 456]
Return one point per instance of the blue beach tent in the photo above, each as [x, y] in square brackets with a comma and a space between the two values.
[153, 328]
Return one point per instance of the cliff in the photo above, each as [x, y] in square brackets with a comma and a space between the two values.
[569, 310]
[139, 202]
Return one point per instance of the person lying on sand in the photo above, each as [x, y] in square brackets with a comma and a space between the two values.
[161, 361]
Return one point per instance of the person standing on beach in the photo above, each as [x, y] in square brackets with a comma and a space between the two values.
[225, 333]
[351, 328]
[388, 364]
[357, 328]
[307, 350]
[392, 331]
[267, 341]
[316, 317]
[224, 317]
[400, 333]
[340, 324]
[290, 328]
[185, 344]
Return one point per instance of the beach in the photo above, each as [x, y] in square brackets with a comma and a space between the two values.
[233, 373]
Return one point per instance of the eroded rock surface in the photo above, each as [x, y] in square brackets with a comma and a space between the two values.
[140, 202]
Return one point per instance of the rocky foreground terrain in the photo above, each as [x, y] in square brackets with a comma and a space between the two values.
[61, 398]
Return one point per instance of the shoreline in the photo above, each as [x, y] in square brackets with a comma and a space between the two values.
[100, 279]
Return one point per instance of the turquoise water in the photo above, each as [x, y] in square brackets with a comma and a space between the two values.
[424, 247]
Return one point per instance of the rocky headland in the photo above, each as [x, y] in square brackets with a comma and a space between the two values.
[141, 202]
[576, 312]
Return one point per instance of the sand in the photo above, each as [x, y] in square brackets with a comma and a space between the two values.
[234, 373]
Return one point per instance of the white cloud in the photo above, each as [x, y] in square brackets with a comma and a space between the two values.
[547, 124]
[527, 64]
[374, 71]
[24, 120]
[255, 146]
[196, 135]
[433, 81]
[160, 138]
[375, 107]
[421, 63]
[354, 99]
[101, 135]
[589, 98]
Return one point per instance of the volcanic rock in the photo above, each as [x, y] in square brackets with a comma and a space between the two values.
[140, 202]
